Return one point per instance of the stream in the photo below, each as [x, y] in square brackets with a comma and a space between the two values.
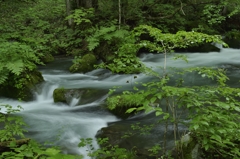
[63, 125]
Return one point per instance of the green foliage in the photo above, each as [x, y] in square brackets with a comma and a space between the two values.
[83, 64]
[11, 136]
[12, 124]
[213, 111]
[32, 23]
[233, 34]
[31, 29]
[109, 34]
[12, 133]
[213, 14]
[16, 58]
[117, 51]
[126, 60]
[81, 16]
[33, 150]
[106, 151]
[127, 99]
[216, 121]
[165, 42]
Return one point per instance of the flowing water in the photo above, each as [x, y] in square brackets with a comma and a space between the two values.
[64, 125]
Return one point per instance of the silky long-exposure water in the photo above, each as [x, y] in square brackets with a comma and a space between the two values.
[63, 125]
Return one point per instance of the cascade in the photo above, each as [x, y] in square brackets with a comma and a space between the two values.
[64, 125]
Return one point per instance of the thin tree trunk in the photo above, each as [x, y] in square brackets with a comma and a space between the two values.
[119, 14]
[68, 11]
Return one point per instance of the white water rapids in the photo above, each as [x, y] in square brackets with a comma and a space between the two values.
[64, 125]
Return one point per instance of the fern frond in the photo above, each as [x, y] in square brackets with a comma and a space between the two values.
[4, 76]
[92, 43]
[15, 67]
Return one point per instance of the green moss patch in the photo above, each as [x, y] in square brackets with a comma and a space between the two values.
[119, 104]
[84, 64]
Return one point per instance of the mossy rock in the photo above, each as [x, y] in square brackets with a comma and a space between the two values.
[47, 58]
[85, 64]
[21, 87]
[59, 95]
[119, 104]
[86, 95]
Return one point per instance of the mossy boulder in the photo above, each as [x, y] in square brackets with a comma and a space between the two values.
[119, 104]
[46, 58]
[84, 64]
[59, 95]
[22, 86]
[84, 95]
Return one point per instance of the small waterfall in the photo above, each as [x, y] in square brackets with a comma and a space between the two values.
[48, 120]
[46, 92]
[74, 102]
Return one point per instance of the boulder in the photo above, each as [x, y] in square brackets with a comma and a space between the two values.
[21, 87]
[84, 95]
[119, 104]
[46, 58]
[84, 64]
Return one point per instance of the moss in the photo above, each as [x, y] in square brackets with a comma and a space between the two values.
[85, 64]
[30, 80]
[59, 95]
[86, 95]
[20, 87]
[47, 58]
[119, 104]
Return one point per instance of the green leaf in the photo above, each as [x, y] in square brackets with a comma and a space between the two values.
[237, 109]
[195, 127]
[158, 113]
[52, 151]
[217, 138]
[130, 110]
[204, 123]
